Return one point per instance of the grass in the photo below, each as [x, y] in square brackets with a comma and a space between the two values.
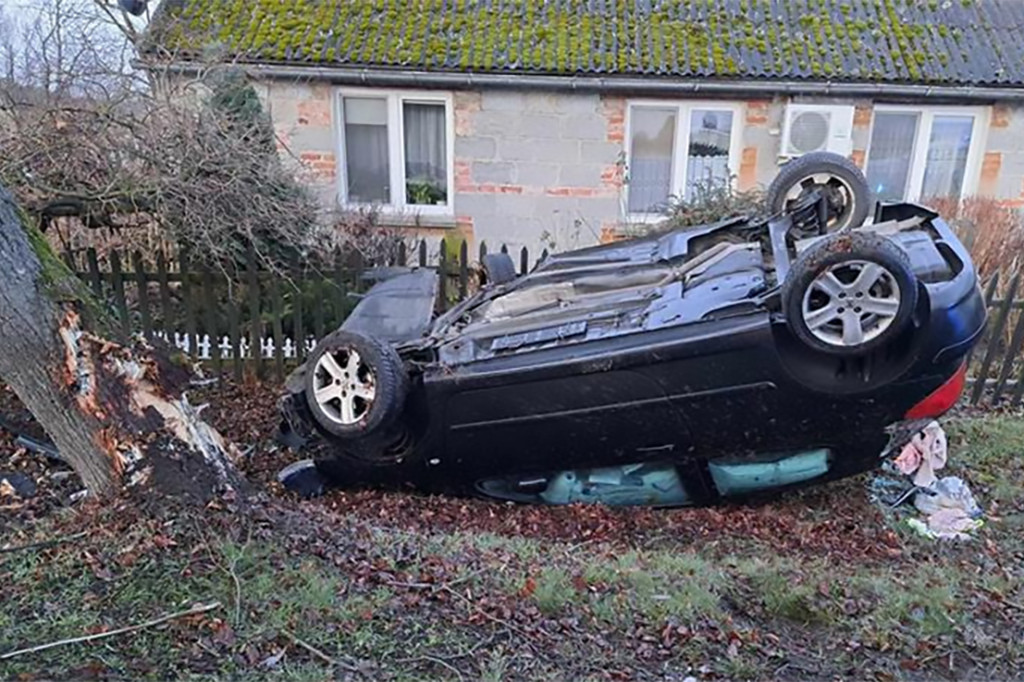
[403, 605]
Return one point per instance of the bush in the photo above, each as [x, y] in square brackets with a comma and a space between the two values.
[713, 201]
[992, 232]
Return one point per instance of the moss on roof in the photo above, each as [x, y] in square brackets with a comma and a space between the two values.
[927, 41]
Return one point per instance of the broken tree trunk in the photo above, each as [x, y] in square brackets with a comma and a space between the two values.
[117, 414]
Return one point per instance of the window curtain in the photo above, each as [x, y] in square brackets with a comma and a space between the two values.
[426, 149]
[650, 162]
[947, 156]
[366, 150]
[890, 154]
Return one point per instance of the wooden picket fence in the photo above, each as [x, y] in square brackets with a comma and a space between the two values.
[268, 320]
[997, 363]
[256, 317]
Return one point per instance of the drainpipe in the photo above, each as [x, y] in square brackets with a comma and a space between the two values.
[633, 85]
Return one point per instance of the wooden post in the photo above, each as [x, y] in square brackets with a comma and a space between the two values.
[212, 317]
[186, 300]
[142, 283]
[255, 322]
[276, 321]
[296, 299]
[117, 284]
[166, 310]
[442, 283]
[993, 341]
[463, 270]
[95, 281]
[1011, 356]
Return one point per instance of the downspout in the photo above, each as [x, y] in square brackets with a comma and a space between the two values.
[403, 78]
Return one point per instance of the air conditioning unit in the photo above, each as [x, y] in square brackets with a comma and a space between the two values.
[817, 128]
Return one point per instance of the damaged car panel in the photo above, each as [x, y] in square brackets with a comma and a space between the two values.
[674, 369]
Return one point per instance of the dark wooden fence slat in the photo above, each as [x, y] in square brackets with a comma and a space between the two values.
[186, 301]
[120, 302]
[1012, 351]
[423, 253]
[317, 286]
[212, 317]
[990, 292]
[403, 256]
[993, 342]
[165, 294]
[295, 296]
[340, 289]
[276, 323]
[1018, 390]
[442, 280]
[463, 270]
[235, 334]
[255, 320]
[142, 284]
[95, 282]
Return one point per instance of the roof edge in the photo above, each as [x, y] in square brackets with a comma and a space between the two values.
[637, 85]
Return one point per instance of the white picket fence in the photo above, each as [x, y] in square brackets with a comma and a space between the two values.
[207, 347]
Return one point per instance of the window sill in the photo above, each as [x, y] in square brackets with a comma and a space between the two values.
[433, 220]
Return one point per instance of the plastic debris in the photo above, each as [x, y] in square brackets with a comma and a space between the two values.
[948, 493]
[951, 512]
[924, 454]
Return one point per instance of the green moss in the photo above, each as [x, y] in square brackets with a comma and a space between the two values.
[683, 36]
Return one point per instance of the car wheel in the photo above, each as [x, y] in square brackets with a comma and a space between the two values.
[843, 185]
[850, 293]
[355, 385]
[499, 268]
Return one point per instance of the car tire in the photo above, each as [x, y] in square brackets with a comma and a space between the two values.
[850, 293]
[356, 386]
[844, 184]
[498, 268]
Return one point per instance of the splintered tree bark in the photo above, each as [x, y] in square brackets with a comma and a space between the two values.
[117, 414]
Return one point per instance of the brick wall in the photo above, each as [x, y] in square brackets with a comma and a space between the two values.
[532, 167]
[536, 168]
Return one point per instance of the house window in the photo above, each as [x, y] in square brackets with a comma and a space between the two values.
[678, 150]
[396, 150]
[920, 153]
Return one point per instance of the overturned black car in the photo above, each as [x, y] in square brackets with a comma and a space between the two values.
[703, 364]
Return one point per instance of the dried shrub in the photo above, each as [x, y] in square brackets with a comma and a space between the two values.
[992, 232]
[712, 201]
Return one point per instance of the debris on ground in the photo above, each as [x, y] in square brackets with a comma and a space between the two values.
[924, 454]
[951, 512]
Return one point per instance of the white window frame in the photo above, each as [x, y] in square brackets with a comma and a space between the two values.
[396, 147]
[683, 110]
[926, 118]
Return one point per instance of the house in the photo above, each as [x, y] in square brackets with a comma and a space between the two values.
[566, 121]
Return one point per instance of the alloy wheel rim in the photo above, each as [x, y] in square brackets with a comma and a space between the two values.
[344, 386]
[851, 303]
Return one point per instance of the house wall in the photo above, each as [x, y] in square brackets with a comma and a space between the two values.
[543, 169]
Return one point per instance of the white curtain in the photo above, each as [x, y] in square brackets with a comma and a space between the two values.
[366, 150]
[947, 156]
[426, 151]
[890, 154]
[650, 162]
